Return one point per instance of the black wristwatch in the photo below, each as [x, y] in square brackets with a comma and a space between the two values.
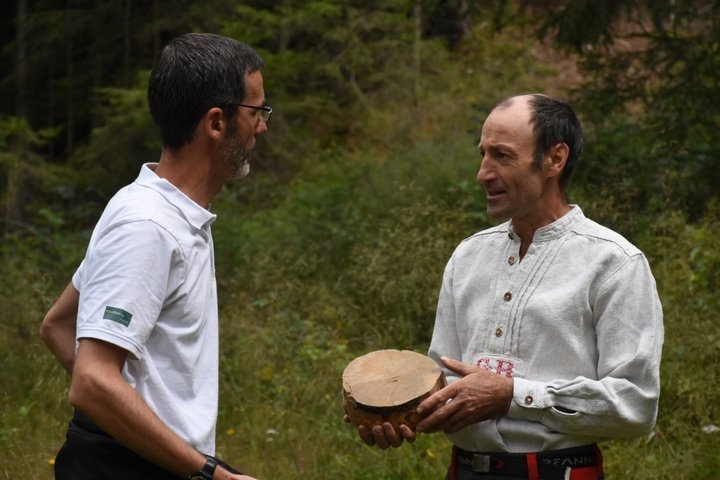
[207, 471]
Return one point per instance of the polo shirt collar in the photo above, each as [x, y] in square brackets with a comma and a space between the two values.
[196, 215]
[558, 228]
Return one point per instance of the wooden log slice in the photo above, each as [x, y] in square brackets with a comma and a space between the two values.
[388, 385]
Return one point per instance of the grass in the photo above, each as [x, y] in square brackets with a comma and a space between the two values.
[281, 415]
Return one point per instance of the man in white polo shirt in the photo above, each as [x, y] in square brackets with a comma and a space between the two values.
[137, 327]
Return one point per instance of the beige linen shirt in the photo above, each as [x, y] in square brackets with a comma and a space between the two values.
[577, 324]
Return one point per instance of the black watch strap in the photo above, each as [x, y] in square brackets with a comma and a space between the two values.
[207, 471]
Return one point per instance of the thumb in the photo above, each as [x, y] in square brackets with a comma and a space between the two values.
[458, 367]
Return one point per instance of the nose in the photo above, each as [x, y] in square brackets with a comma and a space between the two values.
[261, 127]
[485, 173]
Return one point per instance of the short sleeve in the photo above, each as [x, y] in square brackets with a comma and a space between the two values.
[124, 281]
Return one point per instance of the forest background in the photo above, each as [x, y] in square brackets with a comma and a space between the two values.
[364, 184]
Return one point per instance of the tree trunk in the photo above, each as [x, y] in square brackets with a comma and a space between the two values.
[69, 90]
[21, 59]
[156, 30]
[127, 16]
[417, 13]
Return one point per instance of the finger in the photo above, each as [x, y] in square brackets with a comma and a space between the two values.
[458, 367]
[407, 433]
[392, 436]
[456, 422]
[378, 433]
[437, 400]
[430, 425]
[437, 419]
[366, 435]
[346, 419]
[450, 419]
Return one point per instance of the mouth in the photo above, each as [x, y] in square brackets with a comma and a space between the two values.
[493, 193]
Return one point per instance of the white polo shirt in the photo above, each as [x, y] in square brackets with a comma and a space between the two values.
[147, 284]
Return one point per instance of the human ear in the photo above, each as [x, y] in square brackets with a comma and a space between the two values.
[556, 158]
[214, 123]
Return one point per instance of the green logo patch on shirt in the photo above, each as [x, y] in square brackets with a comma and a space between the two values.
[117, 315]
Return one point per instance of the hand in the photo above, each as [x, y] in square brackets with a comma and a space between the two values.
[477, 396]
[384, 435]
[222, 474]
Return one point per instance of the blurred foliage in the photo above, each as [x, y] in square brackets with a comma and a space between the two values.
[362, 187]
[654, 64]
[123, 138]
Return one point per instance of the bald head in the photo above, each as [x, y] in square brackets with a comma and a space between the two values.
[515, 100]
[552, 122]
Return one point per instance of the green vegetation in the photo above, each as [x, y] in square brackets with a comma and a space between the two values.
[361, 189]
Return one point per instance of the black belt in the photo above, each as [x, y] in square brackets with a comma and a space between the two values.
[549, 463]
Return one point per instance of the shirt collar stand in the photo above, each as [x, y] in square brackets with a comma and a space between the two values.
[196, 215]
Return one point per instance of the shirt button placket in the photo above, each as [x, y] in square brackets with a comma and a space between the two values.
[499, 330]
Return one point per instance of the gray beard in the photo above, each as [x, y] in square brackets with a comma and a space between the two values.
[242, 170]
[237, 158]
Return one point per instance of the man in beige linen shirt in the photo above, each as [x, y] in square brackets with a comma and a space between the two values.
[549, 326]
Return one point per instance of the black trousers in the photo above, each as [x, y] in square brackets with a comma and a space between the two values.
[90, 454]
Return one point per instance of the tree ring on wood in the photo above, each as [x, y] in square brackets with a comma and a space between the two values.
[388, 385]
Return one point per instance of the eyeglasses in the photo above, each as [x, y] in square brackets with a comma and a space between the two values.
[264, 112]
